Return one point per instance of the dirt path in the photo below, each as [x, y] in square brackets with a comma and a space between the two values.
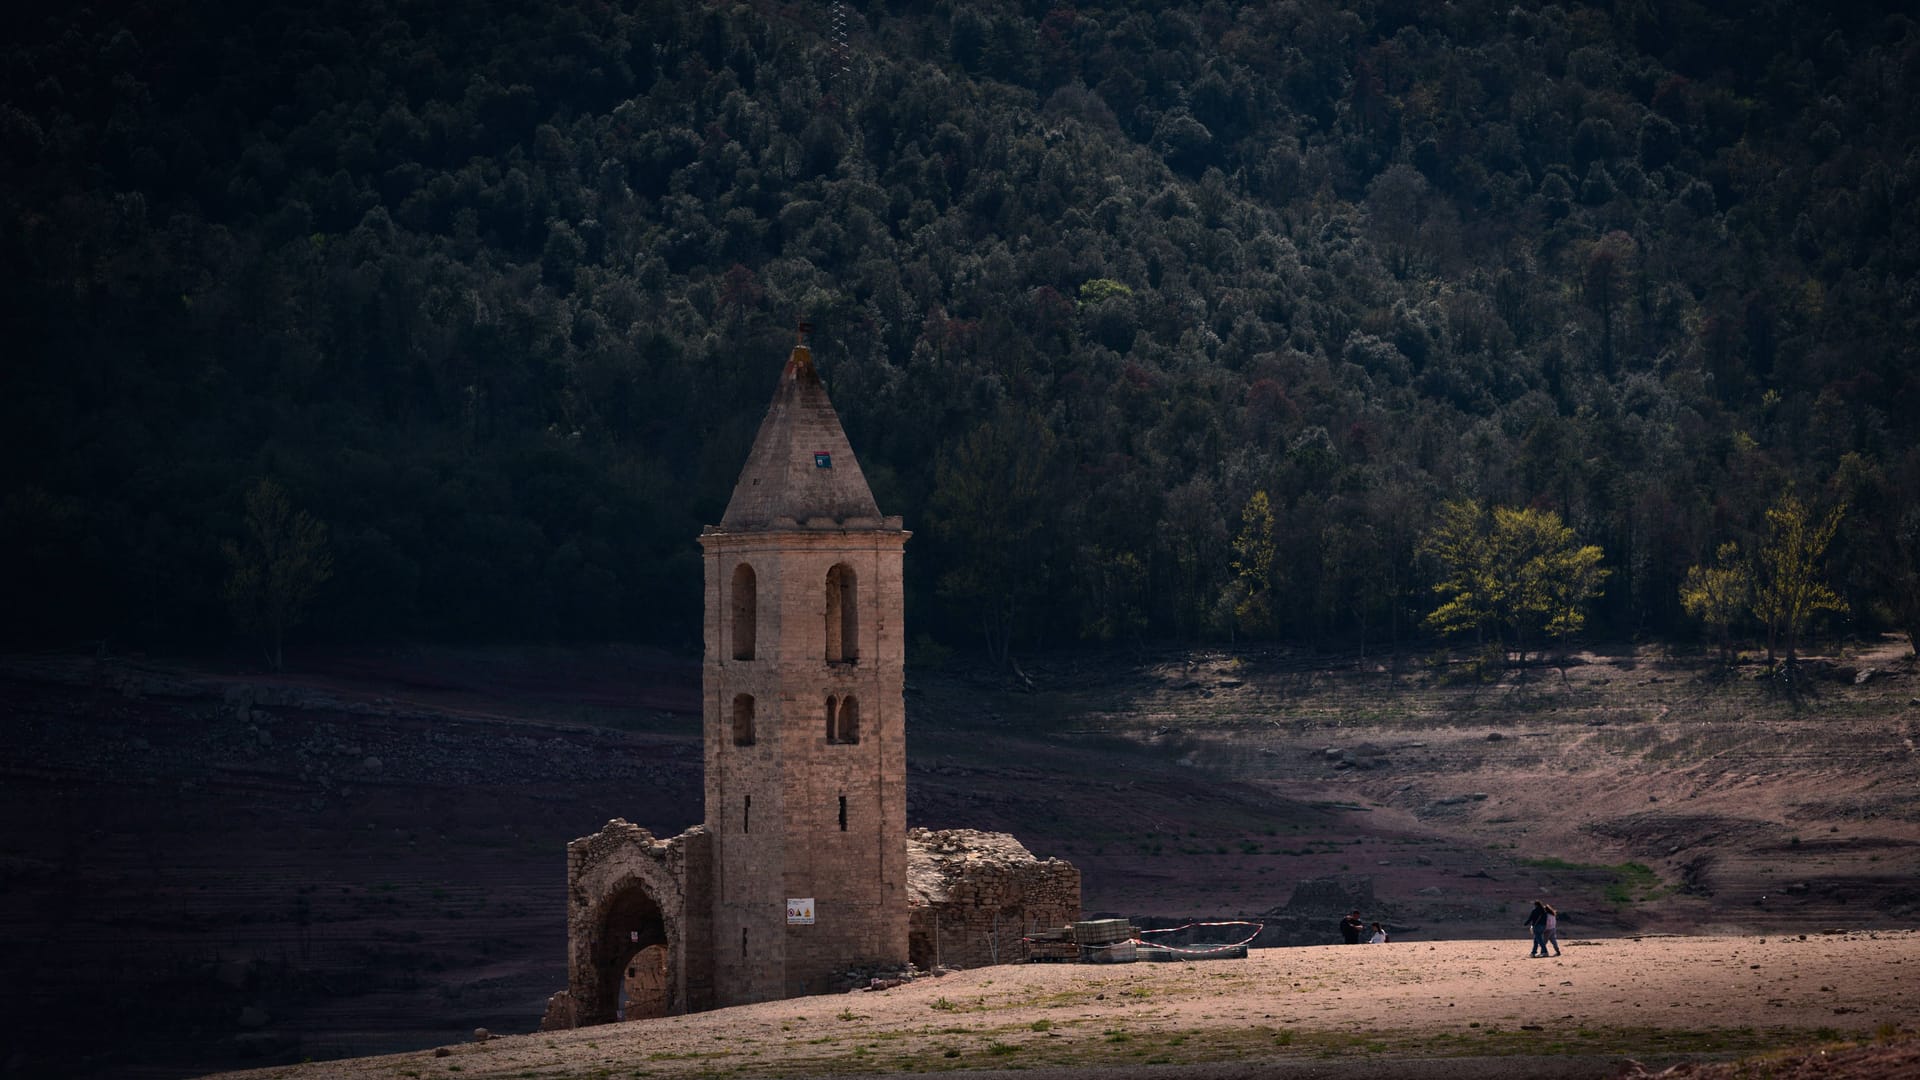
[1440, 1009]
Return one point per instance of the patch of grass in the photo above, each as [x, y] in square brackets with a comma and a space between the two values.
[1631, 882]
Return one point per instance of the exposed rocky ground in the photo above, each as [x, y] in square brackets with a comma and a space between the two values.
[208, 867]
[1450, 1010]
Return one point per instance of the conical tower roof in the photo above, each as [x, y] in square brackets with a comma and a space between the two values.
[801, 472]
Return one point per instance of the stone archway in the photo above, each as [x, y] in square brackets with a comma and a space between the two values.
[628, 894]
[629, 925]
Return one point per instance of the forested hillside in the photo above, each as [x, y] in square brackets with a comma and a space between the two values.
[497, 293]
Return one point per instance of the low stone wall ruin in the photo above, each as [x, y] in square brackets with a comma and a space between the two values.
[972, 895]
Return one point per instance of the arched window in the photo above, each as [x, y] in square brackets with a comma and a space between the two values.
[745, 612]
[743, 720]
[843, 616]
[843, 719]
[849, 719]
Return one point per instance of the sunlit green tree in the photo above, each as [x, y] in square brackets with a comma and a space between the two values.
[1718, 595]
[1788, 588]
[1514, 574]
[1253, 566]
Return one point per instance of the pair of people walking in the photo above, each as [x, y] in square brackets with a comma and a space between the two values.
[1545, 923]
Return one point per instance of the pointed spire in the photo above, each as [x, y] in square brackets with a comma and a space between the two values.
[801, 472]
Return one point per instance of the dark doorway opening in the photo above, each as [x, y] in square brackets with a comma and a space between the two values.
[632, 960]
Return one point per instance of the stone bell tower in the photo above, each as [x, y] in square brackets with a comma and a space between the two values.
[804, 710]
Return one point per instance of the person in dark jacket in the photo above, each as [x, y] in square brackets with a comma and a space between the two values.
[1537, 921]
[1350, 928]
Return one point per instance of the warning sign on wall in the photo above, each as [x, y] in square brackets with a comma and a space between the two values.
[800, 911]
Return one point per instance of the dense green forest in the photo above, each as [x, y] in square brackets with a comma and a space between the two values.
[497, 293]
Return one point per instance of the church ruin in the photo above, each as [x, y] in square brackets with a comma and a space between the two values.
[801, 872]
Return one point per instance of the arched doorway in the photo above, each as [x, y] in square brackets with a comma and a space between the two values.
[632, 958]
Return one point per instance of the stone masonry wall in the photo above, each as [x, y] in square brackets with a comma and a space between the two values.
[623, 880]
[973, 895]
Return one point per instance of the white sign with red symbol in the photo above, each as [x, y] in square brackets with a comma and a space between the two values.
[800, 911]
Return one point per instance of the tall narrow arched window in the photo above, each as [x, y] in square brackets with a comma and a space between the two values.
[743, 719]
[833, 730]
[745, 612]
[843, 615]
[847, 727]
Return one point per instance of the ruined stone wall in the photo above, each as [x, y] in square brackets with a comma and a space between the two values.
[973, 895]
[625, 890]
[696, 845]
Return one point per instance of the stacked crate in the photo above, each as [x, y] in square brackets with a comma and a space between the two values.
[1052, 946]
[1105, 941]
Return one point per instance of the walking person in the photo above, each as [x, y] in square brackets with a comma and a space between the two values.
[1537, 922]
[1552, 930]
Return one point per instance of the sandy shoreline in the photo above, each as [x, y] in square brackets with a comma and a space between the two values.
[1426, 1009]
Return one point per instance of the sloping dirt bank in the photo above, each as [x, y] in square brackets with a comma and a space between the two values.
[1428, 1009]
[208, 867]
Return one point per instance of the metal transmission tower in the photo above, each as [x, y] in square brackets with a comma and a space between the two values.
[840, 61]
